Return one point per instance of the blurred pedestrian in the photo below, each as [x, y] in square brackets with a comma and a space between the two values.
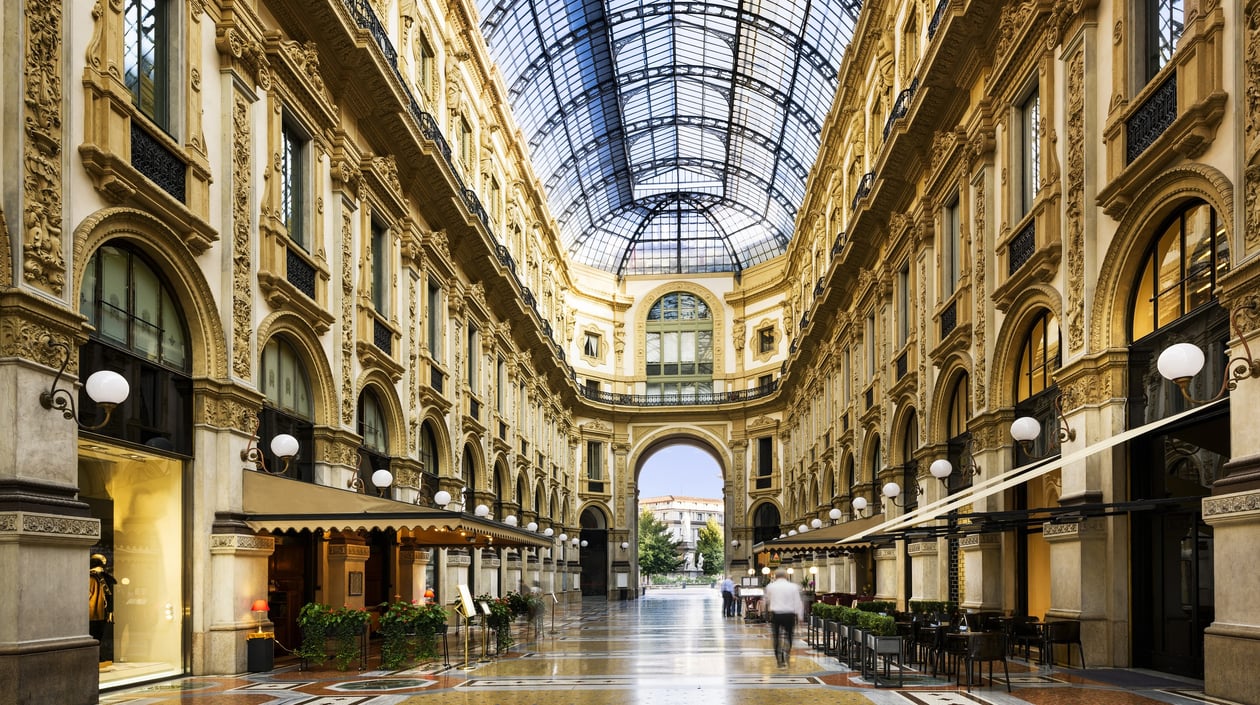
[728, 596]
[784, 605]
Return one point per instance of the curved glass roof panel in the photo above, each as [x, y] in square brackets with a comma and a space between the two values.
[671, 137]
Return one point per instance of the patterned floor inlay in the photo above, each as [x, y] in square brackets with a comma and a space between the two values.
[670, 648]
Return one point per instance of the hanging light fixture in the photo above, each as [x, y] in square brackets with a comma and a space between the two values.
[106, 388]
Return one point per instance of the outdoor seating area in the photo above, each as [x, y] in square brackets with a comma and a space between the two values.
[886, 647]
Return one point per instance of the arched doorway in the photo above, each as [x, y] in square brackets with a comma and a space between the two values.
[593, 552]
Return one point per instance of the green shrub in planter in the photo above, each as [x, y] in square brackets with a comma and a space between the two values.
[877, 624]
[313, 619]
[499, 619]
[408, 631]
[849, 616]
[880, 606]
[344, 626]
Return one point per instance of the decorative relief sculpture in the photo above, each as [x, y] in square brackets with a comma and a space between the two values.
[1075, 202]
[242, 260]
[44, 263]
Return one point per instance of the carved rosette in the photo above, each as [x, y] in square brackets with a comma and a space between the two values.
[43, 263]
[1075, 201]
[242, 261]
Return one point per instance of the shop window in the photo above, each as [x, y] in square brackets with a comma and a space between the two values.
[1180, 270]
[374, 453]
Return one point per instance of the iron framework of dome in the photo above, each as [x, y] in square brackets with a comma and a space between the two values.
[671, 137]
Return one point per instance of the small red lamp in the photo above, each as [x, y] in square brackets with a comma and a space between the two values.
[259, 607]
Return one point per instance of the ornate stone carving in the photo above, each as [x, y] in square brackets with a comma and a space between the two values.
[242, 257]
[980, 295]
[306, 57]
[386, 168]
[1252, 196]
[44, 264]
[36, 523]
[1075, 201]
[1011, 25]
[1242, 503]
[347, 318]
[1251, 79]
[224, 543]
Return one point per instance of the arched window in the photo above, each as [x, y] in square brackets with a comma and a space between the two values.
[1034, 382]
[679, 347]
[956, 434]
[765, 523]
[138, 332]
[430, 461]
[909, 466]
[470, 479]
[1180, 270]
[288, 407]
[374, 453]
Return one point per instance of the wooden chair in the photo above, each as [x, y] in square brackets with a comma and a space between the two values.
[990, 647]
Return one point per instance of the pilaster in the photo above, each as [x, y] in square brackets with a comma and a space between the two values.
[1232, 643]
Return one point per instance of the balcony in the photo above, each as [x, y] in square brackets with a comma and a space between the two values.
[694, 398]
[864, 188]
[1156, 114]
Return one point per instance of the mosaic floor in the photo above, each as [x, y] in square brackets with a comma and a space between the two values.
[670, 648]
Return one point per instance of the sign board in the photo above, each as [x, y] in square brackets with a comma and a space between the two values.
[466, 601]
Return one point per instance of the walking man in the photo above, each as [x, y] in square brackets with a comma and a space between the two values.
[785, 606]
[728, 596]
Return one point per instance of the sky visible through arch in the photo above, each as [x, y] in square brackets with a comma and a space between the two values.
[680, 470]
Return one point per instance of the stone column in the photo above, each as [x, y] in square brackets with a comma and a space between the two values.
[887, 577]
[489, 575]
[412, 563]
[1079, 584]
[347, 553]
[926, 572]
[238, 574]
[46, 654]
[514, 578]
[982, 569]
[1231, 645]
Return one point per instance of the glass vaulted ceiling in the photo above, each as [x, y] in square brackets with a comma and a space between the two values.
[671, 137]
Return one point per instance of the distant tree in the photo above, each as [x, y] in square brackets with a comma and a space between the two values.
[710, 544]
[658, 552]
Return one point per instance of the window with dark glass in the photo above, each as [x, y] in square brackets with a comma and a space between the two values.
[434, 314]
[147, 59]
[374, 453]
[473, 356]
[765, 456]
[765, 340]
[903, 306]
[138, 332]
[1165, 22]
[1038, 357]
[288, 407]
[956, 432]
[293, 178]
[380, 268]
[594, 460]
[500, 386]
[950, 244]
[1181, 268]
[1030, 150]
[679, 344]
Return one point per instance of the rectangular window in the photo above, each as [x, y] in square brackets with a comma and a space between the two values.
[147, 58]
[380, 269]
[293, 176]
[870, 347]
[903, 306]
[590, 345]
[950, 245]
[592, 386]
[464, 143]
[765, 456]
[435, 322]
[1165, 22]
[765, 340]
[427, 66]
[594, 460]
[474, 354]
[765, 380]
[845, 372]
[1030, 158]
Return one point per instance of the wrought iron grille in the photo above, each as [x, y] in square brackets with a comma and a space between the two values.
[436, 379]
[299, 273]
[158, 164]
[937, 17]
[804, 320]
[474, 205]
[474, 408]
[949, 319]
[527, 295]
[869, 397]
[901, 107]
[838, 244]
[1022, 247]
[1151, 119]
[505, 258]
[903, 363]
[502, 431]
[382, 337]
[864, 188]
[818, 287]
[679, 399]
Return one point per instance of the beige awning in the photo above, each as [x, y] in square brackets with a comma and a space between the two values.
[821, 539]
[275, 503]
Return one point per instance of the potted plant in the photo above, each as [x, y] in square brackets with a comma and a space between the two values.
[500, 620]
[347, 626]
[882, 640]
[313, 619]
[398, 636]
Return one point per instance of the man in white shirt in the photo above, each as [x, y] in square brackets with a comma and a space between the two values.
[784, 606]
[728, 597]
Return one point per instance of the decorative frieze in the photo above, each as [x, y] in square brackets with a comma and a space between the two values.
[1075, 201]
[886, 554]
[242, 255]
[241, 544]
[980, 541]
[44, 264]
[349, 550]
[1232, 507]
[33, 524]
[923, 548]
[1094, 526]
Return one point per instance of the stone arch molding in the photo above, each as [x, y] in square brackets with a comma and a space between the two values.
[299, 333]
[169, 254]
[643, 446]
[1152, 204]
[1011, 335]
[388, 395]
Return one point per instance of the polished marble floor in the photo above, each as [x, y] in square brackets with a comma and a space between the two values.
[672, 647]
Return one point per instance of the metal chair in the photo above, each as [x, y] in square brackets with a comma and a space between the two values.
[1065, 632]
[990, 647]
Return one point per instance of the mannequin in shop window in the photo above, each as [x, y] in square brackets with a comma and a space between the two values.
[101, 606]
